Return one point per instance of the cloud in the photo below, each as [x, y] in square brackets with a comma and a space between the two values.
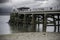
[3, 1]
[32, 3]
[20, 3]
[29, 3]
[40, 0]
[51, 3]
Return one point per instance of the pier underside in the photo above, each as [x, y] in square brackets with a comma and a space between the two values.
[29, 21]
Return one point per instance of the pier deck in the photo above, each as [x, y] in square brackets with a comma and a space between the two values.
[39, 12]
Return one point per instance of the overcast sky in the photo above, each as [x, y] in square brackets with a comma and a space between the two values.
[29, 3]
[8, 4]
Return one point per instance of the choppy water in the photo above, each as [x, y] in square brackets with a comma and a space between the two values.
[5, 28]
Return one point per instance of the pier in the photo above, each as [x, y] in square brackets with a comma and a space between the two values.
[37, 17]
[25, 25]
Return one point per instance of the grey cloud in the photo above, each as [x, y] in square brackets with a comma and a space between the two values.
[3, 1]
[33, 4]
[40, 0]
[5, 10]
[29, 4]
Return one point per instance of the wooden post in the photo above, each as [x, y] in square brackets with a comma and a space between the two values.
[38, 23]
[24, 23]
[33, 24]
[44, 22]
[54, 21]
[58, 22]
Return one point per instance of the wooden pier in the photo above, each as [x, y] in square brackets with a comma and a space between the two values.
[37, 17]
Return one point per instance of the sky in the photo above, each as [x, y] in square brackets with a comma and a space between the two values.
[28, 3]
[20, 3]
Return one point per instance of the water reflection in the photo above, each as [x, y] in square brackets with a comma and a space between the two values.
[22, 28]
